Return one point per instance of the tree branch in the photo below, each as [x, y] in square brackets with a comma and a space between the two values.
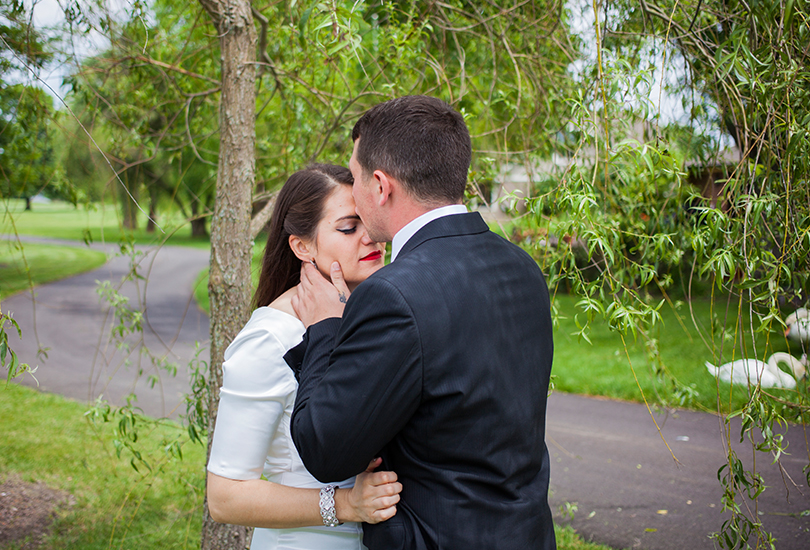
[173, 68]
[262, 217]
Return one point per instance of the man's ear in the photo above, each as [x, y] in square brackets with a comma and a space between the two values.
[300, 249]
[385, 186]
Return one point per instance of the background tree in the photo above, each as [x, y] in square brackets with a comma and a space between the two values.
[27, 159]
[624, 227]
[154, 118]
[24, 46]
[27, 164]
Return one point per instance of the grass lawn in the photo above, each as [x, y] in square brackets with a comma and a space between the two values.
[46, 438]
[607, 367]
[98, 223]
[43, 263]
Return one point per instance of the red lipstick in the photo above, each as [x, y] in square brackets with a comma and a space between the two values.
[376, 255]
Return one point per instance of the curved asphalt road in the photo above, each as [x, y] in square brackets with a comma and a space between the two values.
[83, 361]
[607, 457]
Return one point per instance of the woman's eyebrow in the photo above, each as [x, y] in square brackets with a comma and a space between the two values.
[352, 217]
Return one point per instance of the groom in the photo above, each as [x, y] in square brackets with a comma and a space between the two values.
[441, 360]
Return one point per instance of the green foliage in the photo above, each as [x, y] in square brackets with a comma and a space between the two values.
[8, 357]
[27, 158]
[24, 44]
[197, 414]
[151, 99]
[149, 104]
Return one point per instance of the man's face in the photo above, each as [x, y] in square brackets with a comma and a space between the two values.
[366, 195]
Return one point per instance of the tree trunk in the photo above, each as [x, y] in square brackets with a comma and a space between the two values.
[229, 272]
[27, 203]
[129, 198]
[153, 200]
[197, 221]
[198, 227]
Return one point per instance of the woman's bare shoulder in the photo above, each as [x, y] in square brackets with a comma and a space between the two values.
[284, 302]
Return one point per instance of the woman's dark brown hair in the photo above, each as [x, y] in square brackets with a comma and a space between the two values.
[298, 210]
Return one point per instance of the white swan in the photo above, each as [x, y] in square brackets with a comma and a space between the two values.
[798, 325]
[768, 375]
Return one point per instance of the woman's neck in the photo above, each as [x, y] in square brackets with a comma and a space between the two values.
[284, 302]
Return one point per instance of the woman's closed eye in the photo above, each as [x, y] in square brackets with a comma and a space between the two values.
[348, 230]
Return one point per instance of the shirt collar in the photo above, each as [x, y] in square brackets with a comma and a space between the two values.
[405, 234]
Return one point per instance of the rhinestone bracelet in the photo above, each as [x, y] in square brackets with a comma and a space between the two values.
[327, 504]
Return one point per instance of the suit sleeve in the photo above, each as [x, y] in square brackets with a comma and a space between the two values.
[360, 382]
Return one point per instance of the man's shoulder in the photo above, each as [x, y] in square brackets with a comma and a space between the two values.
[483, 245]
[382, 290]
[439, 262]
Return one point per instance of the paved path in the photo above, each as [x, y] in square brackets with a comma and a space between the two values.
[83, 362]
[609, 459]
[606, 456]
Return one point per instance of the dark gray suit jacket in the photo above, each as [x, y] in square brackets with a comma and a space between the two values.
[441, 366]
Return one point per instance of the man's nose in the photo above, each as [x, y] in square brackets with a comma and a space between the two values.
[365, 239]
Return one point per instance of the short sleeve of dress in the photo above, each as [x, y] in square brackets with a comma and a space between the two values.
[257, 388]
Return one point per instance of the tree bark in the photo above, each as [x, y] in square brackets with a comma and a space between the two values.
[229, 272]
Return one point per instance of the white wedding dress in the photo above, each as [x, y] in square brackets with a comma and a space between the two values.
[252, 434]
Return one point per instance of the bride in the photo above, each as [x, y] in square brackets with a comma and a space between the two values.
[314, 220]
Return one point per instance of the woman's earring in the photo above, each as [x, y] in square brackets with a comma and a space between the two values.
[312, 261]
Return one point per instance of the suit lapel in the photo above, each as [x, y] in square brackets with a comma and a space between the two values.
[447, 226]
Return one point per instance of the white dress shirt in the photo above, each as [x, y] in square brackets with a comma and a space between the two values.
[252, 435]
[405, 234]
